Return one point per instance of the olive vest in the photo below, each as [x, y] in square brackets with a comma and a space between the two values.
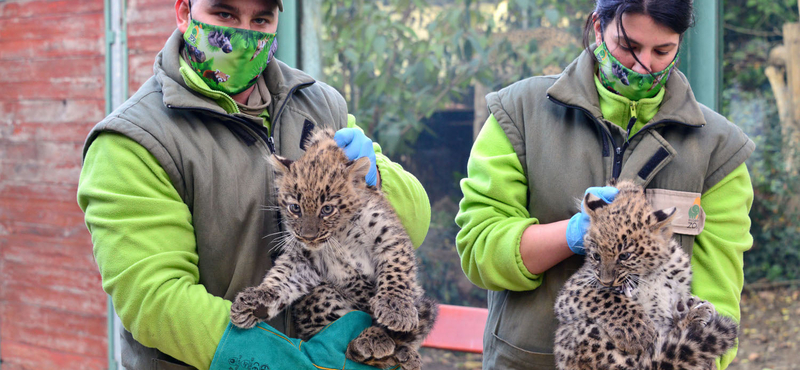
[557, 130]
[217, 162]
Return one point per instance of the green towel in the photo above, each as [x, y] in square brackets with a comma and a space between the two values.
[264, 348]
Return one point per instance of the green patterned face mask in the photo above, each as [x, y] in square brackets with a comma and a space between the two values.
[228, 59]
[627, 82]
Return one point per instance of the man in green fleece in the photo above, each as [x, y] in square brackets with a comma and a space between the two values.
[621, 110]
[178, 195]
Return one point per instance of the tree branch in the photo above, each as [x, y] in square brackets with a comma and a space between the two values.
[748, 31]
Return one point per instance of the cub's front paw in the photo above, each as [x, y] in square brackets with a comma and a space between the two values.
[252, 306]
[693, 312]
[395, 312]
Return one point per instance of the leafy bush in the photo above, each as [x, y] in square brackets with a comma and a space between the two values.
[752, 29]
[775, 217]
[398, 61]
[396, 64]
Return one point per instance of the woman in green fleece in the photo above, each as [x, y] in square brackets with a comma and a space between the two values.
[177, 191]
[620, 110]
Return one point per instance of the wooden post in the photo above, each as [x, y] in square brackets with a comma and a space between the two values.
[790, 126]
[776, 74]
[791, 40]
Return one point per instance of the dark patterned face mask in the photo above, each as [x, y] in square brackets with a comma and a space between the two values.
[228, 59]
[627, 82]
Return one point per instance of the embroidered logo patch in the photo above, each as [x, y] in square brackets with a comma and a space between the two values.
[694, 213]
[690, 218]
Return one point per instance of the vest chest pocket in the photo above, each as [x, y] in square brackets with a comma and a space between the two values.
[690, 217]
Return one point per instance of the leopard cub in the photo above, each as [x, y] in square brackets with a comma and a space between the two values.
[345, 249]
[630, 306]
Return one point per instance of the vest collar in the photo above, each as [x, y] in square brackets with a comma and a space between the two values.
[575, 87]
[281, 80]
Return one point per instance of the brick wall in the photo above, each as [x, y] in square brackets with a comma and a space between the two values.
[52, 307]
[150, 23]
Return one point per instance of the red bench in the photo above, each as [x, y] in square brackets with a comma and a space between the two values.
[458, 328]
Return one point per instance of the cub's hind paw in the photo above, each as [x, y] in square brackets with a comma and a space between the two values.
[372, 344]
[408, 358]
[396, 313]
[252, 306]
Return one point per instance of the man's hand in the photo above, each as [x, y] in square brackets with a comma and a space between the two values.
[579, 223]
[356, 145]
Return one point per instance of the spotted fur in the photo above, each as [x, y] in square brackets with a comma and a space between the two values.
[345, 249]
[630, 306]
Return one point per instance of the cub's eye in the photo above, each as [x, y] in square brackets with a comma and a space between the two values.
[326, 210]
[294, 208]
[596, 256]
[624, 256]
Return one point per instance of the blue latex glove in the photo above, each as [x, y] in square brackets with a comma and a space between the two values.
[263, 347]
[357, 145]
[579, 223]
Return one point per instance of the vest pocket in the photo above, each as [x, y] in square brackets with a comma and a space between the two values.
[504, 355]
[518, 336]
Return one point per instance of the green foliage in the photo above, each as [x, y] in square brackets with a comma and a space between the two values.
[398, 61]
[393, 76]
[440, 267]
[759, 15]
[752, 29]
[775, 213]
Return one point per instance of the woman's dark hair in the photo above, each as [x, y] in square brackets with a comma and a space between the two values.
[675, 14]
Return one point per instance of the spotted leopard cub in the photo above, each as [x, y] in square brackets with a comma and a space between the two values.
[345, 250]
[630, 306]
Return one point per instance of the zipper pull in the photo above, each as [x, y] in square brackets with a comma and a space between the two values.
[617, 163]
[632, 121]
[271, 145]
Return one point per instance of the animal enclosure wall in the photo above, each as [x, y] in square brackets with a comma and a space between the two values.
[53, 312]
[52, 307]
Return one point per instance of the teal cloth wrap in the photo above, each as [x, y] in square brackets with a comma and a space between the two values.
[264, 348]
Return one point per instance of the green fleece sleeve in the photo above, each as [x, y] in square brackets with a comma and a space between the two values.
[493, 214]
[717, 257]
[404, 192]
[145, 249]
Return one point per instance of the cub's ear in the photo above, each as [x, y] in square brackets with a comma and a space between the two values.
[358, 169]
[592, 203]
[663, 221]
[280, 164]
